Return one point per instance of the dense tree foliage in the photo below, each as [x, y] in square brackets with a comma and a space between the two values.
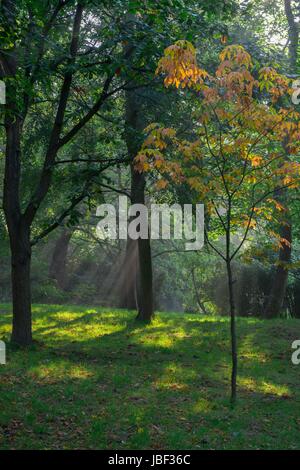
[166, 102]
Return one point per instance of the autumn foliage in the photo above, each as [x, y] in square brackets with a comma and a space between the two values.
[239, 152]
[246, 133]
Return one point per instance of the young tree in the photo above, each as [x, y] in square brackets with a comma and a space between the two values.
[237, 159]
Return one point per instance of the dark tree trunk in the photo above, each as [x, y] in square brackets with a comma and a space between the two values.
[21, 286]
[19, 236]
[141, 273]
[138, 270]
[280, 278]
[293, 35]
[58, 264]
[145, 293]
[278, 288]
[18, 228]
[144, 271]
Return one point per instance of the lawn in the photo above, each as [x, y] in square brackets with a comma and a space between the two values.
[95, 379]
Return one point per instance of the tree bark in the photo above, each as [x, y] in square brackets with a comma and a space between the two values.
[21, 286]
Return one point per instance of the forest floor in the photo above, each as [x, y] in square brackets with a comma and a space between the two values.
[95, 379]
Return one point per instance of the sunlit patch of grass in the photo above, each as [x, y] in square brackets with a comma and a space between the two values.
[97, 379]
[265, 387]
[62, 370]
[248, 350]
[271, 388]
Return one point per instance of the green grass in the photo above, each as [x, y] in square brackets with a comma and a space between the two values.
[97, 380]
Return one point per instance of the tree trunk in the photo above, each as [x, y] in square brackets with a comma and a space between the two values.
[233, 333]
[142, 271]
[58, 264]
[197, 295]
[228, 259]
[145, 293]
[293, 35]
[280, 279]
[21, 286]
[19, 235]
[18, 229]
[278, 288]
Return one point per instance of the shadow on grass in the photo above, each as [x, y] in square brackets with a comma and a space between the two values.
[104, 381]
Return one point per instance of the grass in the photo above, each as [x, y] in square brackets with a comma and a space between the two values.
[97, 380]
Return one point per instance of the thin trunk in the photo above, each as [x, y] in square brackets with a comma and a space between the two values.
[234, 356]
[196, 290]
[232, 332]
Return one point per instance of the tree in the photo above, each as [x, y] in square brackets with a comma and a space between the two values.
[136, 277]
[237, 158]
[66, 60]
[34, 75]
[280, 278]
